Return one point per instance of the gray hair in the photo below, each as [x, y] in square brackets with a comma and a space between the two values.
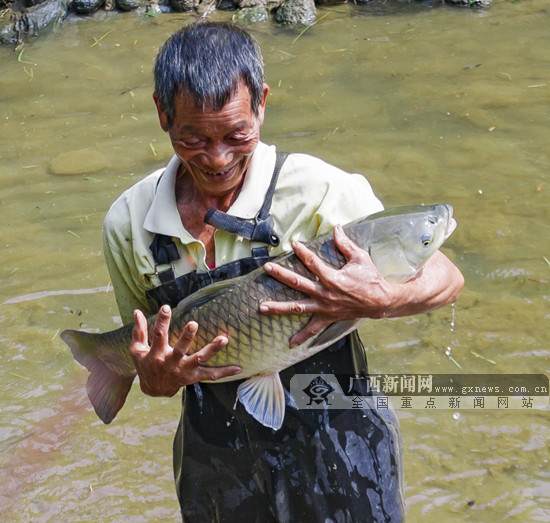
[208, 61]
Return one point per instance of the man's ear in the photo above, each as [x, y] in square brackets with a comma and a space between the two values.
[261, 107]
[163, 117]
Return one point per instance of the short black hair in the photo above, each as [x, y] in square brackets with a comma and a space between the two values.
[208, 60]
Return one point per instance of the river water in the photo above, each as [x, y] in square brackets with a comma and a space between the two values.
[432, 105]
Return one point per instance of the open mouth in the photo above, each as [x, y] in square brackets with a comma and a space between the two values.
[451, 222]
[220, 174]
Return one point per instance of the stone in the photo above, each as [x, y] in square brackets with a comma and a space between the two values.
[251, 15]
[184, 5]
[79, 161]
[86, 7]
[129, 5]
[296, 13]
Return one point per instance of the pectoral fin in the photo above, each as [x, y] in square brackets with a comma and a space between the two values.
[263, 397]
[331, 334]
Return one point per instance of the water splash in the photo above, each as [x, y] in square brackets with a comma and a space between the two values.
[449, 349]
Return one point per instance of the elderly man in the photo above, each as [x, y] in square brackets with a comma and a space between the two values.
[223, 205]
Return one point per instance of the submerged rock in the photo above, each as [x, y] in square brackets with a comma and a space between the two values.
[184, 5]
[31, 21]
[251, 15]
[80, 161]
[86, 7]
[31, 3]
[129, 5]
[296, 13]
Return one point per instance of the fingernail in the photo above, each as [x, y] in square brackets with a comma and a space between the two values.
[268, 267]
[293, 344]
[165, 309]
[237, 371]
[192, 328]
[264, 308]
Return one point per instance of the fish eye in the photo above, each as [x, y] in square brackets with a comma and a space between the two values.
[426, 240]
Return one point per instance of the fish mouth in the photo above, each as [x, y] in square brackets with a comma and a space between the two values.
[451, 222]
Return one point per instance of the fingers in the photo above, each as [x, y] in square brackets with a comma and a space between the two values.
[139, 332]
[184, 341]
[197, 362]
[290, 278]
[315, 326]
[350, 250]
[324, 274]
[344, 244]
[317, 266]
[208, 351]
[194, 365]
[306, 306]
[160, 331]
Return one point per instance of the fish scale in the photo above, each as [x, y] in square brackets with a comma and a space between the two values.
[399, 242]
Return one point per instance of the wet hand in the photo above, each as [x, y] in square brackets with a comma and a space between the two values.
[163, 369]
[357, 290]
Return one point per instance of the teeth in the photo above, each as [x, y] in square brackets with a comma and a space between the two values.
[221, 174]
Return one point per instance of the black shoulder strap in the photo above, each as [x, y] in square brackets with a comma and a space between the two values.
[261, 228]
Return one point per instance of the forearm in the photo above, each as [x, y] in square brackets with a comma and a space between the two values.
[439, 284]
[358, 290]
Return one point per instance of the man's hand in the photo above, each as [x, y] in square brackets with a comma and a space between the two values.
[163, 369]
[358, 290]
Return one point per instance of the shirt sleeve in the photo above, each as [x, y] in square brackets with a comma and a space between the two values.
[349, 199]
[124, 275]
[313, 196]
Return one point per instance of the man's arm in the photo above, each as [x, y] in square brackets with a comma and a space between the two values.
[358, 290]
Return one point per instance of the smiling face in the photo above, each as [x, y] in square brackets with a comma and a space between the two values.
[215, 147]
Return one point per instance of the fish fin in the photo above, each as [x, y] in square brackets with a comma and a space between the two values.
[107, 389]
[205, 294]
[263, 397]
[332, 333]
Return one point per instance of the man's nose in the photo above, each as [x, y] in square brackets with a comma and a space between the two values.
[218, 157]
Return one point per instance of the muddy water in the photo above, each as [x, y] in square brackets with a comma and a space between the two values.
[433, 105]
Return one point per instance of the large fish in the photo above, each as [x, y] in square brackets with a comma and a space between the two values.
[399, 242]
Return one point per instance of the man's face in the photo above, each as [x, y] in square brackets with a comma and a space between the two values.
[215, 146]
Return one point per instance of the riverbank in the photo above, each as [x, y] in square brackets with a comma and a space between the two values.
[23, 19]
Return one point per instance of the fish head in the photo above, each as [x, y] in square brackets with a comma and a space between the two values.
[412, 235]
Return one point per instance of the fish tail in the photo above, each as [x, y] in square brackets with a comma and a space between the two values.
[107, 389]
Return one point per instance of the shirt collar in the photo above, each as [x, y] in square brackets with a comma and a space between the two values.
[163, 216]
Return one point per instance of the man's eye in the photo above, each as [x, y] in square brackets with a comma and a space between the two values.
[238, 138]
[191, 143]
